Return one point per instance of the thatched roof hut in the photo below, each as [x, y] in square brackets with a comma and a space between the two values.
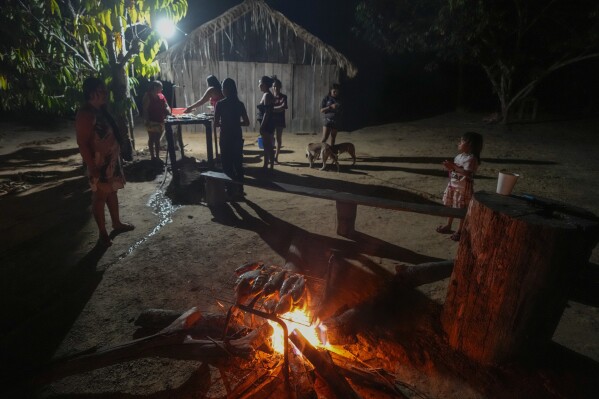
[251, 40]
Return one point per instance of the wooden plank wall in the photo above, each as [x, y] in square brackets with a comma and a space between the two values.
[304, 85]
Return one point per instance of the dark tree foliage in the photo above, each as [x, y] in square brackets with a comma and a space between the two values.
[50, 46]
[517, 43]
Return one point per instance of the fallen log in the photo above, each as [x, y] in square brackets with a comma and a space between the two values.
[423, 273]
[324, 367]
[158, 319]
[172, 342]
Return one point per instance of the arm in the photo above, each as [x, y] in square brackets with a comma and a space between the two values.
[268, 100]
[245, 120]
[465, 170]
[283, 106]
[201, 101]
[167, 108]
[84, 127]
[217, 116]
[146, 106]
[324, 108]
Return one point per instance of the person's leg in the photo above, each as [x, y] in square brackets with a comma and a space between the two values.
[444, 229]
[279, 137]
[98, 203]
[325, 134]
[154, 144]
[112, 201]
[227, 165]
[268, 150]
[151, 147]
[237, 160]
[333, 136]
[448, 200]
[266, 147]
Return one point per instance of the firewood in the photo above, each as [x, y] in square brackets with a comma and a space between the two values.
[423, 273]
[155, 320]
[302, 384]
[324, 367]
[172, 342]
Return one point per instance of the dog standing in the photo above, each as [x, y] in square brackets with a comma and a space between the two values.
[322, 151]
[345, 147]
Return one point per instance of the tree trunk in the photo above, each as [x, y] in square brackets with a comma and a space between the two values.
[516, 263]
[122, 102]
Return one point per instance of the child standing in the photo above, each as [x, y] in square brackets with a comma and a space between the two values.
[155, 109]
[230, 115]
[330, 107]
[461, 178]
[278, 114]
[264, 118]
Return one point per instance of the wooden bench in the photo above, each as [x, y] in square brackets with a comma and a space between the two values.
[346, 203]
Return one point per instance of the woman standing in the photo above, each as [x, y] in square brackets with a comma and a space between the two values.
[213, 93]
[265, 118]
[230, 115]
[279, 107]
[99, 143]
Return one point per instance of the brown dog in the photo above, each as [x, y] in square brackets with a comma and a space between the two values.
[323, 151]
[345, 147]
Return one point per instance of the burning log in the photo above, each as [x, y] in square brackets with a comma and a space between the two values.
[324, 367]
[302, 381]
[172, 342]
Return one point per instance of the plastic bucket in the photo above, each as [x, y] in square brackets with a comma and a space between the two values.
[260, 143]
[506, 182]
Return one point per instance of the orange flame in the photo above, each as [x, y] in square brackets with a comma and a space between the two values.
[298, 320]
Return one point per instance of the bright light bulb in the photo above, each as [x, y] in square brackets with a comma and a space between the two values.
[166, 28]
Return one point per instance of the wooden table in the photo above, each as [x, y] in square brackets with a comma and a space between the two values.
[188, 120]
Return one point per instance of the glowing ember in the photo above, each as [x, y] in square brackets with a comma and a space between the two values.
[297, 320]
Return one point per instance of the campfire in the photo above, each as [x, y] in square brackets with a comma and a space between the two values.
[270, 327]
[285, 297]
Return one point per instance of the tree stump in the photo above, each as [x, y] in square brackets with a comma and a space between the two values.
[517, 260]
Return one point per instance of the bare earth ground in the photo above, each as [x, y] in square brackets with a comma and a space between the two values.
[61, 295]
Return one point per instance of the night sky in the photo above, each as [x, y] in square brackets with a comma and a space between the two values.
[400, 88]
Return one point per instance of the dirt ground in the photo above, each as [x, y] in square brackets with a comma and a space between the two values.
[61, 294]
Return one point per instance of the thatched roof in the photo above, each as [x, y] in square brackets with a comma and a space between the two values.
[203, 43]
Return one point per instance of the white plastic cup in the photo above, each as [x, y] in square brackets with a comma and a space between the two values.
[506, 182]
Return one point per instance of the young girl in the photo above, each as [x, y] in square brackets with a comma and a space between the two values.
[278, 114]
[155, 109]
[330, 108]
[461, 178]
[264, 117]
[230, 115]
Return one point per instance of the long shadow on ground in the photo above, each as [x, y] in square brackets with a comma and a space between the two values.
[337, 185]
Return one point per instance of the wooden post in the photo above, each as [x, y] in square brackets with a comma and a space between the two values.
[346, 218]
[516, 263]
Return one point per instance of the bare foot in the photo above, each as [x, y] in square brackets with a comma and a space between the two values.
[104, 240]
[122, 227]
[444, 229]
